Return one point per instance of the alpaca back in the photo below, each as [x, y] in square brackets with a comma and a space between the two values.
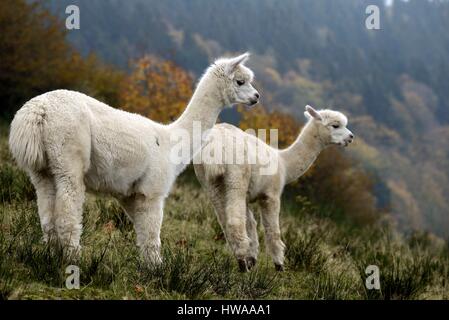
[254, 162]
[237, 147]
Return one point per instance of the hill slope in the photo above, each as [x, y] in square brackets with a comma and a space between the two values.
[326, 259]
[393, 82]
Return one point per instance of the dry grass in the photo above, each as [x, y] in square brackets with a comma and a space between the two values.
[326, 258]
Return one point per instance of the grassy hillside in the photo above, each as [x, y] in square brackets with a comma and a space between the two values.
[326, 259]
[392, 83]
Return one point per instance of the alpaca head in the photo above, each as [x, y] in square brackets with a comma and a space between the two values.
[234, 80]
[331, 126]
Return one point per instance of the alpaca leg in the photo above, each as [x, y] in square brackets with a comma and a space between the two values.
[68, 150]
[146, 214]
[219, 206]
[218, 199]
[270, 220]
[218, 202]
[46, 193]
[251, 229]
[236, 225]
[70, 191]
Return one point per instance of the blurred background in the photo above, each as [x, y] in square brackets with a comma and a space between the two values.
[145, 56]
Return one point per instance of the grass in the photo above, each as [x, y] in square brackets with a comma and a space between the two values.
[325, 258]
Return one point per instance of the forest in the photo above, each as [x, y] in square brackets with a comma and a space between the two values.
[392, 82]
[384, 199]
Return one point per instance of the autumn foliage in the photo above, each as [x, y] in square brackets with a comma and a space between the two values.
[259, 118]
[35, 57]
[156, 88]
[32, 51]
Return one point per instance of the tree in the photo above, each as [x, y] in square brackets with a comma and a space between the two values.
[35, 58]
[157, 89]
[260, 118]
[32, 52]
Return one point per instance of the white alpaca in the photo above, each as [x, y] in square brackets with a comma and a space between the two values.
[232, 186]
[67, 141]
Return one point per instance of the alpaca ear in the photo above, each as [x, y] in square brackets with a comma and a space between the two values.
[234, 62]
[307, 115]
[312, 113]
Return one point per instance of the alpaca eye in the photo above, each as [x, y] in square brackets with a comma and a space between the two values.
[240, 82]
[335, 126]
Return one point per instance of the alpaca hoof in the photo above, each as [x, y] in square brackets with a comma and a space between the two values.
[251, 262]
[242, 265]
[279, 267]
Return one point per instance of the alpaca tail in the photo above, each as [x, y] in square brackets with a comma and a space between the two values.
[26, 136]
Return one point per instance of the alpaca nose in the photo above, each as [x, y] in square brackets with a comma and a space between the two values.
[351, 136]
[257, 95]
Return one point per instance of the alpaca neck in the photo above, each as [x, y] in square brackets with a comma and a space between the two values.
[200, 115]
[302, 153]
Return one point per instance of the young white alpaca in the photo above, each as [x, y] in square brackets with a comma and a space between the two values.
[232, 186]
[67, 141]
